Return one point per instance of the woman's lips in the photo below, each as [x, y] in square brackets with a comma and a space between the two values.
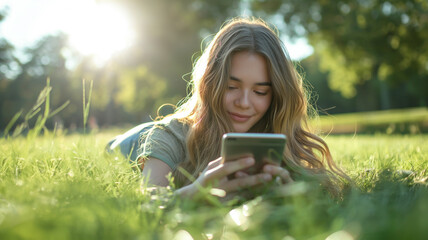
[239, 117]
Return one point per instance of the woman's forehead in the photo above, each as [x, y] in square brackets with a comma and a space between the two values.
[249, 66]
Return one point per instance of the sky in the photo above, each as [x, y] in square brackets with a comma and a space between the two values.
[27, 21]
[93, 29]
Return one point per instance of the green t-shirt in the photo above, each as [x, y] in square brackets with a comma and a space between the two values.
[165, 141]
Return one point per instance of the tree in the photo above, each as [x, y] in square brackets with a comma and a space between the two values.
[140, 92]
[46, 60]
[321, 96]
[170, 32]
[7, 60]
[8, 65]
[372, 43]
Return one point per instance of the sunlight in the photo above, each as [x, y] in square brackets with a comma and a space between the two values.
[100, 31]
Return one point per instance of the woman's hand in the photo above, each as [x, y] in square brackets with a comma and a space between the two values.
[216, 175]
[281, 175]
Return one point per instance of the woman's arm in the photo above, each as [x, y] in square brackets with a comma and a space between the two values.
[155, 172]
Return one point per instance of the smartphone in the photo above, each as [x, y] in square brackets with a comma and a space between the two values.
[265, 147]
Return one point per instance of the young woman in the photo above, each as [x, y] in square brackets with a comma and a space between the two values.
[243, 82]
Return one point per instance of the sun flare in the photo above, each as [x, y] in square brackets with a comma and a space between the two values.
[100, 31]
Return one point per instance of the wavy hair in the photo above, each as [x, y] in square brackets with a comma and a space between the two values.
[305, 154]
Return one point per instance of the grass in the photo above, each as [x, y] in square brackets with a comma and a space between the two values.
[411, 120]
[66, 187]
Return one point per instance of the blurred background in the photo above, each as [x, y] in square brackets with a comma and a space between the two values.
[354, 55]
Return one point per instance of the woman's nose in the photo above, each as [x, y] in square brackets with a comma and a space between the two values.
[243, 100]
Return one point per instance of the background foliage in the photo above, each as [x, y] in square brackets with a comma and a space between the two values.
[376, 49]
[368, 55]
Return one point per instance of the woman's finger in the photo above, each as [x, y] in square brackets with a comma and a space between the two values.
[229, 167]
[275, 170]
[240, 174]
[218, 161]
[215, 163]
[246, 182]
[237, 157]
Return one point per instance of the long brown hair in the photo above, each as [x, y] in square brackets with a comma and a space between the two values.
[306, 153]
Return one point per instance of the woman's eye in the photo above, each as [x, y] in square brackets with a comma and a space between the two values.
[232, 87]
[261, 93]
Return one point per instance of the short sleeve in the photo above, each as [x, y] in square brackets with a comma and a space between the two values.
[165, 144]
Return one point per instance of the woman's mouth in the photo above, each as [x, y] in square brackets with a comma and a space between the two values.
[239, 117]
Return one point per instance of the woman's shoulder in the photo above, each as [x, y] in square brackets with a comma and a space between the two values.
[166, 141]
[177, 127]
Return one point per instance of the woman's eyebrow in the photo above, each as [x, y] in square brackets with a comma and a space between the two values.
[259, 83]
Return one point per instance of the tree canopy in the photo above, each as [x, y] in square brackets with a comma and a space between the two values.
[373, 43]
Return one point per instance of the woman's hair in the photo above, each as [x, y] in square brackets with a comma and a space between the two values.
[204, 111]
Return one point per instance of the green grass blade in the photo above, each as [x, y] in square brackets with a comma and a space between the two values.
[86, 106]
[12, 122]
[59, 109]
[41, 120]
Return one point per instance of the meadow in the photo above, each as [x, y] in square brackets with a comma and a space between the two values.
[394, 121]
[65, 186]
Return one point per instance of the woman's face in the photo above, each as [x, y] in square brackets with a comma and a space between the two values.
[249, 92]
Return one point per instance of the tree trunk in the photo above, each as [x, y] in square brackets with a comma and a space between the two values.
[385, 101]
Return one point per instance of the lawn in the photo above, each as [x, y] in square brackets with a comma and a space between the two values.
[66, 187]
[403, 121]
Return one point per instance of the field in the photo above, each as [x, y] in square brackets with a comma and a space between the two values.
[402, 121]
[59, 186]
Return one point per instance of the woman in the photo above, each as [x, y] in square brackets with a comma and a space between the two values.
[243, 82]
